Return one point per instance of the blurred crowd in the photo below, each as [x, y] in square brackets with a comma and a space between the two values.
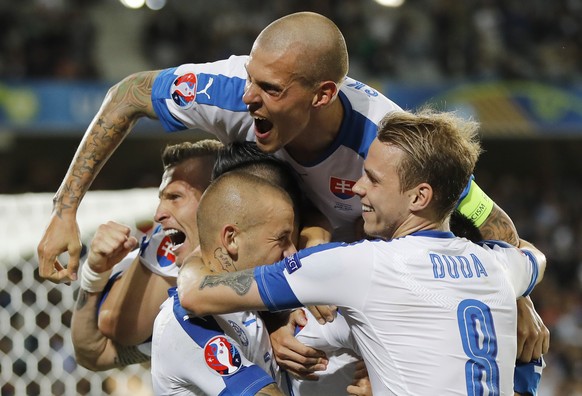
[423, 41]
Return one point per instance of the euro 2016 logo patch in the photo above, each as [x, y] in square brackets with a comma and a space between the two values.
[222, 356]
[164, 255]
[183, 90]
[341, 188]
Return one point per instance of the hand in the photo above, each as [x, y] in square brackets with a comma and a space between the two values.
[111, 243]
[291, 355]
[533, 337]
[323, 313]
[61, 235]
[361, 385]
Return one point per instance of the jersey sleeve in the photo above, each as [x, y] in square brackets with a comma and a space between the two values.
[313, 277]
[521, 266]
[156, 255]
[205, 97]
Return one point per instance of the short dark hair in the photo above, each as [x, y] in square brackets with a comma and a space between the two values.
[174, 154]
[247, 157]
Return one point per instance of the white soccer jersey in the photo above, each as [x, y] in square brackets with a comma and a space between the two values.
[432, 314]
[214, 355]
[156, 254]
[336, 340]
[208, 97]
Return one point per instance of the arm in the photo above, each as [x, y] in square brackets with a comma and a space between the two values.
[204, 293]
[124, 104]
[128, 312]
[533, 337]
[92, 349]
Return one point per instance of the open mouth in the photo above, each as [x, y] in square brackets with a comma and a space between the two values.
[176, 236]
[262, 126]
[366, 208]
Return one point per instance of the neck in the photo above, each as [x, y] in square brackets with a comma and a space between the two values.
[414, 224]
[218, 260]
[319, 135]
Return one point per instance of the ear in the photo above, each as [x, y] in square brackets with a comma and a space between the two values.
[325, 94]
[229, 239]
[421, 196]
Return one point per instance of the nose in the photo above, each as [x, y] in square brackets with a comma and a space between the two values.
[289, 251]
[160, 214]
[250, 95]
[358, 188]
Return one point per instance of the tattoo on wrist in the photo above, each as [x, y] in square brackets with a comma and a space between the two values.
[240, 282]
[127, 355]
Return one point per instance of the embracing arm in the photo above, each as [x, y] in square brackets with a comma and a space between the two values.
[205, 293]
[124, 104]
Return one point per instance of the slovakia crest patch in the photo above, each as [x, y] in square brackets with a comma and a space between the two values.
[183, 90]
[222, 356]
[164, 255]
[341, 188]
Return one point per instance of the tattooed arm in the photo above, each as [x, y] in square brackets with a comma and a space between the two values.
[205, 293]
[533, 337]
[499, 225]
[92, 349]
[124, 104]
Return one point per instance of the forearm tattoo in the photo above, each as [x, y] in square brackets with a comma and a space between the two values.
[240, 282]
[129, 101]
[499, 226]
[127, 355]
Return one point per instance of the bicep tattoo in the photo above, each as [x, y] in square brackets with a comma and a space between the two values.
[240, 282]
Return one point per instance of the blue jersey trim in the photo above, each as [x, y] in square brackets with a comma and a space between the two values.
[273, 287]
[248, 380]
[466, 190]
[536, 272]
[526, 378]
[356, 132]
[433, 234]
[160, 93]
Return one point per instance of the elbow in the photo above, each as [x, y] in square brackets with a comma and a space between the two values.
[190, 303]
[88, 362]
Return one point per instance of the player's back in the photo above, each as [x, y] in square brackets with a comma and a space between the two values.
[439, 318]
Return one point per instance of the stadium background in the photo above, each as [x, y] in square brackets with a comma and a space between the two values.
[515, 67]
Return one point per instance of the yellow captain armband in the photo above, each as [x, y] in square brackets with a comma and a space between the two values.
[476, 205]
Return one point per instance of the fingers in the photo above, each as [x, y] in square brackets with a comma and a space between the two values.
[59, 274]
[323, 313]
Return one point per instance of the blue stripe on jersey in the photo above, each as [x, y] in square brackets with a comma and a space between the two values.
[160, 93]
[273, 287]
[224, 92]
[248, 380]
[535, 270]
[356, 132]
[199, 329]
[527, 376]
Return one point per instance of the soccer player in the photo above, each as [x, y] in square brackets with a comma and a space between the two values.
[292, 96]
[426, 308]
[121, 293]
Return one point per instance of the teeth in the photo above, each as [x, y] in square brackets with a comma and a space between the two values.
[366, 208]
[176, 247]
[259, 118]
[170, 231]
